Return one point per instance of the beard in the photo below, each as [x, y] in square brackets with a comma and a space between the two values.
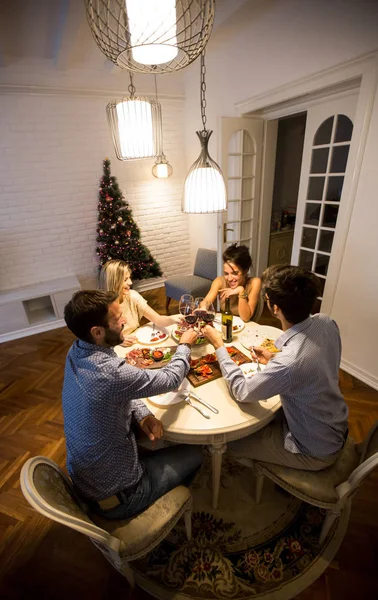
[113, 338]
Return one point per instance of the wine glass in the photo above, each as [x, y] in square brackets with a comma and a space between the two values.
[209, 315]
[185, 304]
[191, 316]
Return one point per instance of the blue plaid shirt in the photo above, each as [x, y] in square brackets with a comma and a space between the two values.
[100, 400]
[306, 375]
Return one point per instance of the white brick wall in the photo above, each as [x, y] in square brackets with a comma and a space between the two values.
[51, 152]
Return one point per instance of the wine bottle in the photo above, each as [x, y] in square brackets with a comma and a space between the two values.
[227, 323]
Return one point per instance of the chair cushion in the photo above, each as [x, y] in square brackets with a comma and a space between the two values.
[315, 485]
[145, 530]
[206, 264]
[186, 284]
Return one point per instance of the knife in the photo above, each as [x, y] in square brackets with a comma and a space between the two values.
[193, 395]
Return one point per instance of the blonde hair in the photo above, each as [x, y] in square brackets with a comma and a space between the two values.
[112, 277]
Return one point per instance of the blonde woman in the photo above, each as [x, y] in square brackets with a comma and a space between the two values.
[115, 276]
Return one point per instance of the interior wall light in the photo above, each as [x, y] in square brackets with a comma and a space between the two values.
[135, 125]
[151, 36]
[204, 189]
[161, 169]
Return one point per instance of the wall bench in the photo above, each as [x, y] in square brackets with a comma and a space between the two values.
[35, 308]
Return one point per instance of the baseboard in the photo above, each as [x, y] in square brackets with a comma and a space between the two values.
[142, 285]
[359, 374]
[15, 335]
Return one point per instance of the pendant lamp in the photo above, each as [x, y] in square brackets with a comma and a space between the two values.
[135, 125]
[204, 189]
[151, 36]
[161, 169]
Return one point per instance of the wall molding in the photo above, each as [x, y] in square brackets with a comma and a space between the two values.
[20, 333]
[41, 90]
[360, 374]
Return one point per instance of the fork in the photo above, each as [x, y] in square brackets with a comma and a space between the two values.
[203, 413]
[258, 368]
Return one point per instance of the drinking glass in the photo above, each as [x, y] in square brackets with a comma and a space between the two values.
[209, 315]
[185, 304]
[191, 316]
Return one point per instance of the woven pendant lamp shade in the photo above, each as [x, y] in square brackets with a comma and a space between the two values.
[135, 124]
[151, 36]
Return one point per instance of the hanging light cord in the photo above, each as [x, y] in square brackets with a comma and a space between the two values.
[131, 87]
[203, 91]
[157, 102]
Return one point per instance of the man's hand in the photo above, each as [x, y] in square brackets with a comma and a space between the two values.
[213, 336]
[262, 354]
[189, 337]
[129, 340]
[152, 427]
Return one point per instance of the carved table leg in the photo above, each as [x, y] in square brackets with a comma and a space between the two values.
[216, 451]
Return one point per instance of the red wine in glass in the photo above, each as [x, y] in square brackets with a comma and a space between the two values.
[191, 319]
[208, 317]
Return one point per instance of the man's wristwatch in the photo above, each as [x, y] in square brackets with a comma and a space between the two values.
[185, 344]
[244, 295]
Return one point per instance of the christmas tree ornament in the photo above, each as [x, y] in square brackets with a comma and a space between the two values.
[153, 36]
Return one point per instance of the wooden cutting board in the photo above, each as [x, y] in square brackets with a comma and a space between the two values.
[155, 364]
[196, 379]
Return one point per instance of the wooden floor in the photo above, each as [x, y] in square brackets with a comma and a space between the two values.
[42, 559]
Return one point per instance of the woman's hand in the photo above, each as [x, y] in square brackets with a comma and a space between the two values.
[129, 340]
[227, 292]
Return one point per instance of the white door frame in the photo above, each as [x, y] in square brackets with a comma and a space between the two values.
[361, 73]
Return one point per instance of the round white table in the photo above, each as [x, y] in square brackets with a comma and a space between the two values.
[183, 424]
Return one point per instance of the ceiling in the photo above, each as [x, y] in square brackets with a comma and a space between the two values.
[49, 43]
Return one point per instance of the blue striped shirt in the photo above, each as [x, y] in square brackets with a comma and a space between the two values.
[306, 376]
[100, 400]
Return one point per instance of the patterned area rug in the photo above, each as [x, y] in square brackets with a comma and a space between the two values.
[242, 550]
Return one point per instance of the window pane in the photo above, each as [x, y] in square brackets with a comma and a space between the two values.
[344, 129]
[248, 143]
[248, 165]
[247, 188]
[316, 307]
[321, 264]
[235, 143]
[246, 229]
[309, 237]
[334, 188]
[315, 188]
[234, 189]
[232, 236]
[323, 135]
[321, 285]
[312, 214]
[330, 215]
[305, 259]
[326, 240]
[319, 160]
[233, 211]
[339, 159]
[247, 209]
[234, 166]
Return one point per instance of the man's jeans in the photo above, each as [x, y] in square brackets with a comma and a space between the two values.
[163, 470]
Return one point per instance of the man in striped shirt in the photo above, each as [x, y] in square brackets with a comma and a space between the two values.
[311, 429]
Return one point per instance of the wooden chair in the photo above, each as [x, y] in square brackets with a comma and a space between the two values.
[331, 488]
[50, 492]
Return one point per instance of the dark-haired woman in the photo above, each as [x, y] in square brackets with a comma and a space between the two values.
[243, 291]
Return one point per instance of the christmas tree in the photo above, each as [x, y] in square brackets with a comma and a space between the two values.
[118, 235]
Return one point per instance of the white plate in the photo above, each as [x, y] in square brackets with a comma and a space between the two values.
[249, 369]
[177, 338]
[165, 400]
[146, 335]
[237, 324]
[252, 337]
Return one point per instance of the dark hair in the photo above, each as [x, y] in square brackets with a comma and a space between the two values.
[239, 255]
[293, 289]
[87, 309]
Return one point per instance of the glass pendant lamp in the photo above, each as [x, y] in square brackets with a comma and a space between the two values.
[151, 36]
[161, 169]
[204, 189]
[135, 125]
